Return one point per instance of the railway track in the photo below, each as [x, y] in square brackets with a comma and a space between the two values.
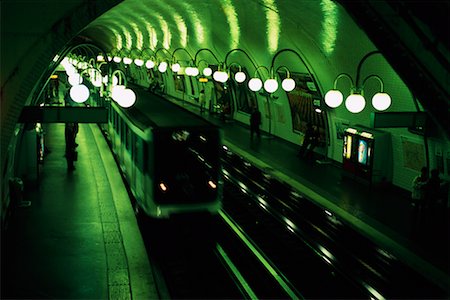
[271, 242]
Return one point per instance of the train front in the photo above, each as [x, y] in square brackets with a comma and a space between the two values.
[187, 170]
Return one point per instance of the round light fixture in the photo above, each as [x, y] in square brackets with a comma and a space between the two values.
[288, 84]
[207, 71]
[127, 60]
[150, 64]
[333, 98]
[116, 92]
[138, 62]
[162, 67]
[271, 85]
[255, 84]
[355, 103]
[194, 71]
[79, 93]
[240, 76]
[381, 101]
[176, 67]
[126, 98]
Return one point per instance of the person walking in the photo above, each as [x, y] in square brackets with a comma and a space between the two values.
[255, 122]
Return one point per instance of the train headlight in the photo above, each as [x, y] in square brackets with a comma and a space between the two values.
[212, 184]
[163, 187]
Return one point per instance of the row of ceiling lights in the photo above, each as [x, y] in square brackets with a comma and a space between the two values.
[355, 102]
[79, 92]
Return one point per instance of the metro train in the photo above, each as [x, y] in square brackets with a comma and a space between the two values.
[169, 156]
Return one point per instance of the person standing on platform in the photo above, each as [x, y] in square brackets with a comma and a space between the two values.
[309, 141]
[255, 122]
[70, 133]
[418, 188]
[202, 100]
[418, 199]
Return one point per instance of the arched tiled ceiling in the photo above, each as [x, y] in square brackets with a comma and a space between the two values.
[314, 29]
[322, 32]
[221, 25]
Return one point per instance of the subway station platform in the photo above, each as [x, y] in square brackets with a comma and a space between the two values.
[80, 239]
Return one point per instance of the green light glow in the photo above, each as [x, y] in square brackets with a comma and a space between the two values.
[233, 22]
[276, 275]
[199, 30]
[119, 41]
[151, 34]
[128, 40]
[329, 26]
[273, 25]
[167, 36]
[139, 36]
[169, 11]
[236, 273]
[182, 28]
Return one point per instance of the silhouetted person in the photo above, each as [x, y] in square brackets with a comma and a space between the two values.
[418, 188]
[202, 100]
[70, 133]
[255, 122]
[418, 198]
[309, 142]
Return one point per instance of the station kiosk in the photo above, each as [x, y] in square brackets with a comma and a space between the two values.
[367, 155]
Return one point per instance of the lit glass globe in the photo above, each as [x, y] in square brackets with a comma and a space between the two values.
[194, 71]
[220, 76]
[271, 85]
[127, 60]
[162, 67]
[355, 103]
[381, 101]
[139, 62]
[75, 79]
[240, 76]
[176, 67]
[117, 59]
[207, 71]
[223, 76]
[255, 84]
[116, 92]
[288, 84]
[216, 76]
[150, 64]
[79, 93]
[126, 98]
[333, 98]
